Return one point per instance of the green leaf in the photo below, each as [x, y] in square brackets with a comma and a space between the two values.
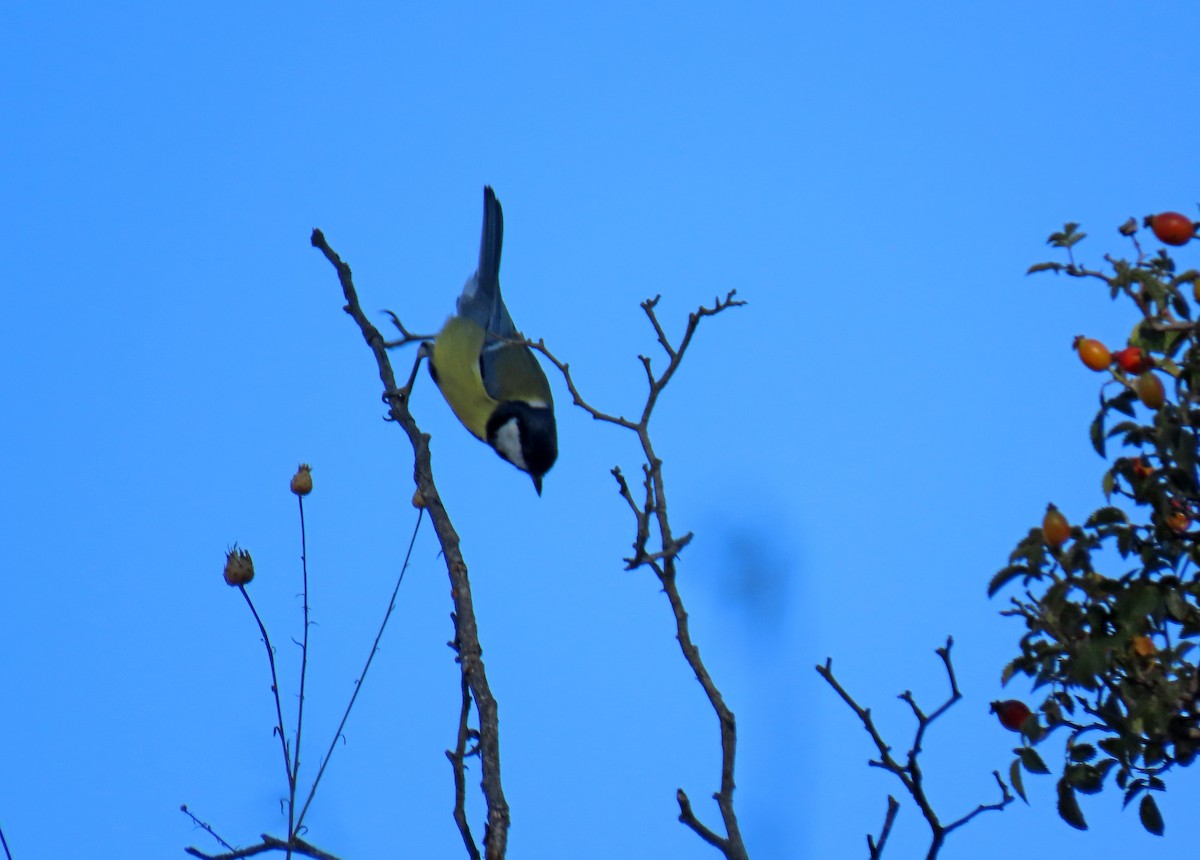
[1125, 542]
[1090, 662]
[1014, 776]
[1144, 336]
[1185, 451]
[1085, 778]
[1123, 402]
[1009, 671]
[1067, 237]
[1031, 760]
[1177, 607]
[1045, 267]
[1106, 517]
[1068, 806]
[1052, 711]
[1152, 819]
[1172, 340]
[1083, 752]
[1096, 431]
[1140, 600]
[1005, 576]
[1135, 788]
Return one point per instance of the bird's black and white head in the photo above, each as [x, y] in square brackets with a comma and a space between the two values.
[525, 435]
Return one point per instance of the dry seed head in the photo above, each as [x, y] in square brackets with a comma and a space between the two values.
[239, 567]
[302, 480]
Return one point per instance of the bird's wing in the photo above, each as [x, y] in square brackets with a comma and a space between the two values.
[511, 372]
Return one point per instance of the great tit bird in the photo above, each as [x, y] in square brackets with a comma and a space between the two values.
[497, 389]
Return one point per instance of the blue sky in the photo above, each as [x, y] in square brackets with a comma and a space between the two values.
[862, 444]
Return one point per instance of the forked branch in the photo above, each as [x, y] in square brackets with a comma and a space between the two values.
[651, 512]
[909, 772]
[466, 634]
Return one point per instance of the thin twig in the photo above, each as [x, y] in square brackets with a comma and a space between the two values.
[295, 774]
[362, 675]
[677, 353]
[1005, 799]
[299, 846]
[663, 561]
[4, 844]
[910, 773]
[295, 845]
[232, 855]
[458, 763]
[467, 631]
[688, 817]
[648, 306]
[406, 336]
[203, 825]
[576, 397]
[876, 848]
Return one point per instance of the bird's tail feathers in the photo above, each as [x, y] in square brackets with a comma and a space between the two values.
[490, 244]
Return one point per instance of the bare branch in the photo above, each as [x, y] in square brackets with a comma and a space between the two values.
[1005, 799]
[458, 763]
[671, 551]
[663, 560]
[648, 306]
[624, 491]
[645, 360]
[295, 845]
[688, 817]
[203, 825]
[910, 774]
[467, 631]
[864, 716]
[406, 337]
[694, 318]
[576, 397]
[876, 848]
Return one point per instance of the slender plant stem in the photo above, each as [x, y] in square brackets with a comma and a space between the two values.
[362, 676]
[4, 843]
[203, 825]
[287, 759]
[295, 774]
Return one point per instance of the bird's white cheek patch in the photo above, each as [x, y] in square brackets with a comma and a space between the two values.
[508, 443]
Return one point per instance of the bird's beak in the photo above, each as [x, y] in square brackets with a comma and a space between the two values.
[537, 483]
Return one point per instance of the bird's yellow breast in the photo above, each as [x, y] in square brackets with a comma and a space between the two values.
[455, 361]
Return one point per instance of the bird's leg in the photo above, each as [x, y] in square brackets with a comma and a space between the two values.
[423, 352]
